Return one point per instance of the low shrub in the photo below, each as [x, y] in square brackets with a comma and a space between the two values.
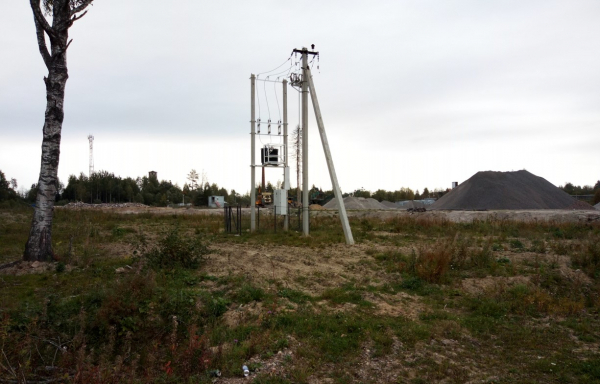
[172, 251]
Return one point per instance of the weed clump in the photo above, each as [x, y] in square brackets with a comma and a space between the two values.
[588, 259]
[432, 264]
[172, 251]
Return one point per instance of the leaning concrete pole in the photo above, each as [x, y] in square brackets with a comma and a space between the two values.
[286, 218]
[334, 181]
[252, 157]
[305, 74]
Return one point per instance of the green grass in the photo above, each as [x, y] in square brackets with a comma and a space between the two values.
[167, 323]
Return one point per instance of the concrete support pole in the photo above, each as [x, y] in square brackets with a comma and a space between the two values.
[305, 74]
[334, 181]
[286, 218]
[252, 157]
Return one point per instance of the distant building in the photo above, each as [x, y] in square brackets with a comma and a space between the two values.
[216, 201]
[152, 175]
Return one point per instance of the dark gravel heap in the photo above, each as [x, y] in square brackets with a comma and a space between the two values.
[507, 190]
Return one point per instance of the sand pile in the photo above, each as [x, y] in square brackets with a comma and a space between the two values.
[356, 203]
[316, 207]
[507, 190]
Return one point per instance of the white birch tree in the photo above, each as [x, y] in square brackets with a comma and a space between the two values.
[63, 13]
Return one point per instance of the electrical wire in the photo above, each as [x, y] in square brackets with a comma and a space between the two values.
[289, 58]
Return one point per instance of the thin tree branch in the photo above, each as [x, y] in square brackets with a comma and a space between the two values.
[41, 39]
[67, 24]
[39, 17]
[84, 4]
[75, 17]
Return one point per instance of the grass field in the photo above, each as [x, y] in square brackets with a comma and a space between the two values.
[142, 298]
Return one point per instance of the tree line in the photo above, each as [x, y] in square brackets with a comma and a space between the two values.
[106, 187]
[586, 190]
[399, 195]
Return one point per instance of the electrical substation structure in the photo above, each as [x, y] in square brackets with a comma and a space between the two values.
[91, 140]
[276, 154]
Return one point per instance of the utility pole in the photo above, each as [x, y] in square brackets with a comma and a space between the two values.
[334, 181]
[305, 211]
[286, 219]
[252, 149]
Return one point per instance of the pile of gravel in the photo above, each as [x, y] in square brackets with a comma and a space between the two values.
[82, 205]
[597, 206]
[507, 190]
[389, 204]
[356, 203]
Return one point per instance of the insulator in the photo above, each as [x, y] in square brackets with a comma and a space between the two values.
[279, 127]
[269, 126]
[258, 125]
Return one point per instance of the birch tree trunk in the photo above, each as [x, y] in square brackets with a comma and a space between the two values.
[64, 14]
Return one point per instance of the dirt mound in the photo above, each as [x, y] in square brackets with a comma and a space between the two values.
[316, 207]
[507, 190]
[356, 203]
[597, 206]
[389, 204]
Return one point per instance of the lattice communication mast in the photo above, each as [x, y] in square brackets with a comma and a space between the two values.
[91, 139]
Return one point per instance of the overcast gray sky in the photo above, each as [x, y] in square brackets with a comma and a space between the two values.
[413, 93]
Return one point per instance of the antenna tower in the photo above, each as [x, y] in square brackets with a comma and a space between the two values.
[91, 139]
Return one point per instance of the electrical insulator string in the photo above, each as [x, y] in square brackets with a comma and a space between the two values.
[277, 100]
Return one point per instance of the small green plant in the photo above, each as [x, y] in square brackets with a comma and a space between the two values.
[516, 244]
[118, 231]
[60, 267]
[538, 246]
[247, 293]
[482, 258]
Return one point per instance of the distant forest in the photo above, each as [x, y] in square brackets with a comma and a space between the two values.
[105, 187]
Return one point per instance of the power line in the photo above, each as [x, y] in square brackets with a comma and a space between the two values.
[288, 59]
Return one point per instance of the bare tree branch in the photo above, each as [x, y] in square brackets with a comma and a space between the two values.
[84, 4]
[39, 17]
[41, 38]
[66, 25]
[75, 18]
